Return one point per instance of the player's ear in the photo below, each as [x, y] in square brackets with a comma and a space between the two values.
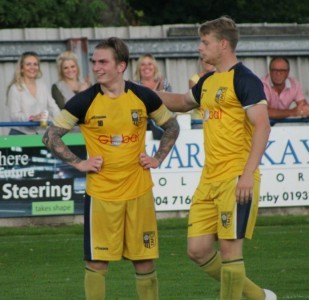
[121, 67]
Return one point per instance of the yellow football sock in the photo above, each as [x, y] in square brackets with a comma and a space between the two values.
[250, 291]
[213, 266]
[232, 279]
[147, 286]
[95, 284]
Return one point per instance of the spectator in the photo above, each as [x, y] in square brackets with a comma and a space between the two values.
[282, 90]
[196, 114]
[27, 95]
[120, 216]
[69, 83]
[147, 73]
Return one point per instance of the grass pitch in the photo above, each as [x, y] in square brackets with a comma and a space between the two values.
[45, 263]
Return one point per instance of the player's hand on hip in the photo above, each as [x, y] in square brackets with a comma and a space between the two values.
[92, 164]
[148, 162]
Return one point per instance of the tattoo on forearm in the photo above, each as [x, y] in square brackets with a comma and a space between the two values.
[52, 140]
[169, 137]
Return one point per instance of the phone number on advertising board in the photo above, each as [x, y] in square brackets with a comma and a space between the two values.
[298, 195]
[173, 200]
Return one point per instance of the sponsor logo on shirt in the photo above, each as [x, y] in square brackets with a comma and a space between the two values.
[117, 140]
[212, 114]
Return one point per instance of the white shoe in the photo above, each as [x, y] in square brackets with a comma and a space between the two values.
[269, 295]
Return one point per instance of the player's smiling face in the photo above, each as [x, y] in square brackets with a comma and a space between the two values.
[104, 66]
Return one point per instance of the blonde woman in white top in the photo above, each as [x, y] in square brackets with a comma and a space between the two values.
[27, 95]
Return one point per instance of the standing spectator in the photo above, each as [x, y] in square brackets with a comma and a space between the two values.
[282, 90]
[236, 130]
[147, 73]
[120, 218]
[196, 114]
[27, 95]
[69, 82]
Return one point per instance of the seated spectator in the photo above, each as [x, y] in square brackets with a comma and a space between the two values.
[147, 73]
[282, 90]
[28, 97]
[69, 83]
[196, 114]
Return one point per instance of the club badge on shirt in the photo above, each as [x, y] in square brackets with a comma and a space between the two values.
[136, 115]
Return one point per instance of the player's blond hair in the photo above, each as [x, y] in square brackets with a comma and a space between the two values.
[223, 28]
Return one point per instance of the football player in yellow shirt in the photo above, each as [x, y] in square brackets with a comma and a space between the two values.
[119, 211]
[236, 130]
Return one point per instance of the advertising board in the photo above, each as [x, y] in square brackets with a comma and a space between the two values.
[34, 183]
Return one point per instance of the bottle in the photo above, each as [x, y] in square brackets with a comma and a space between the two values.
[44, 119]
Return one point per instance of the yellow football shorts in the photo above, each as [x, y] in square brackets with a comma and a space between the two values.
[116, 229]
[214, 211]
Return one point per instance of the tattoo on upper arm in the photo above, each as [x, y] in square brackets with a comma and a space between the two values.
[169, 137]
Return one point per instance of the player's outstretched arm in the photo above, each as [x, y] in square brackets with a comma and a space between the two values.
[178, 102]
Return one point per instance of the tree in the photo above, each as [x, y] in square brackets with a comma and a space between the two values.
[98, 13]
[52, 13]
[242, 11]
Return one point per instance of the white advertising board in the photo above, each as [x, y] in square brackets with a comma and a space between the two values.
[284, 169]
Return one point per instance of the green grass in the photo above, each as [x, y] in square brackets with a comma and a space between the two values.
[45, 263]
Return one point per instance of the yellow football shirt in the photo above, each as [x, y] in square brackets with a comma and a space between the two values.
[223, 98]
[115, 129]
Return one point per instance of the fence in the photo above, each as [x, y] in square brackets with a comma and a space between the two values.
[175, 47]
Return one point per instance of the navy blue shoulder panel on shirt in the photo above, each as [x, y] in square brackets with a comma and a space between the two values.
[79, 104]
[151, 100]
[248, 87]
[197, 89]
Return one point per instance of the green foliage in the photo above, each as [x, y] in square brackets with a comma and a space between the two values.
[242, 11]
[98, 13]
[271, 11]
[51, 13]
